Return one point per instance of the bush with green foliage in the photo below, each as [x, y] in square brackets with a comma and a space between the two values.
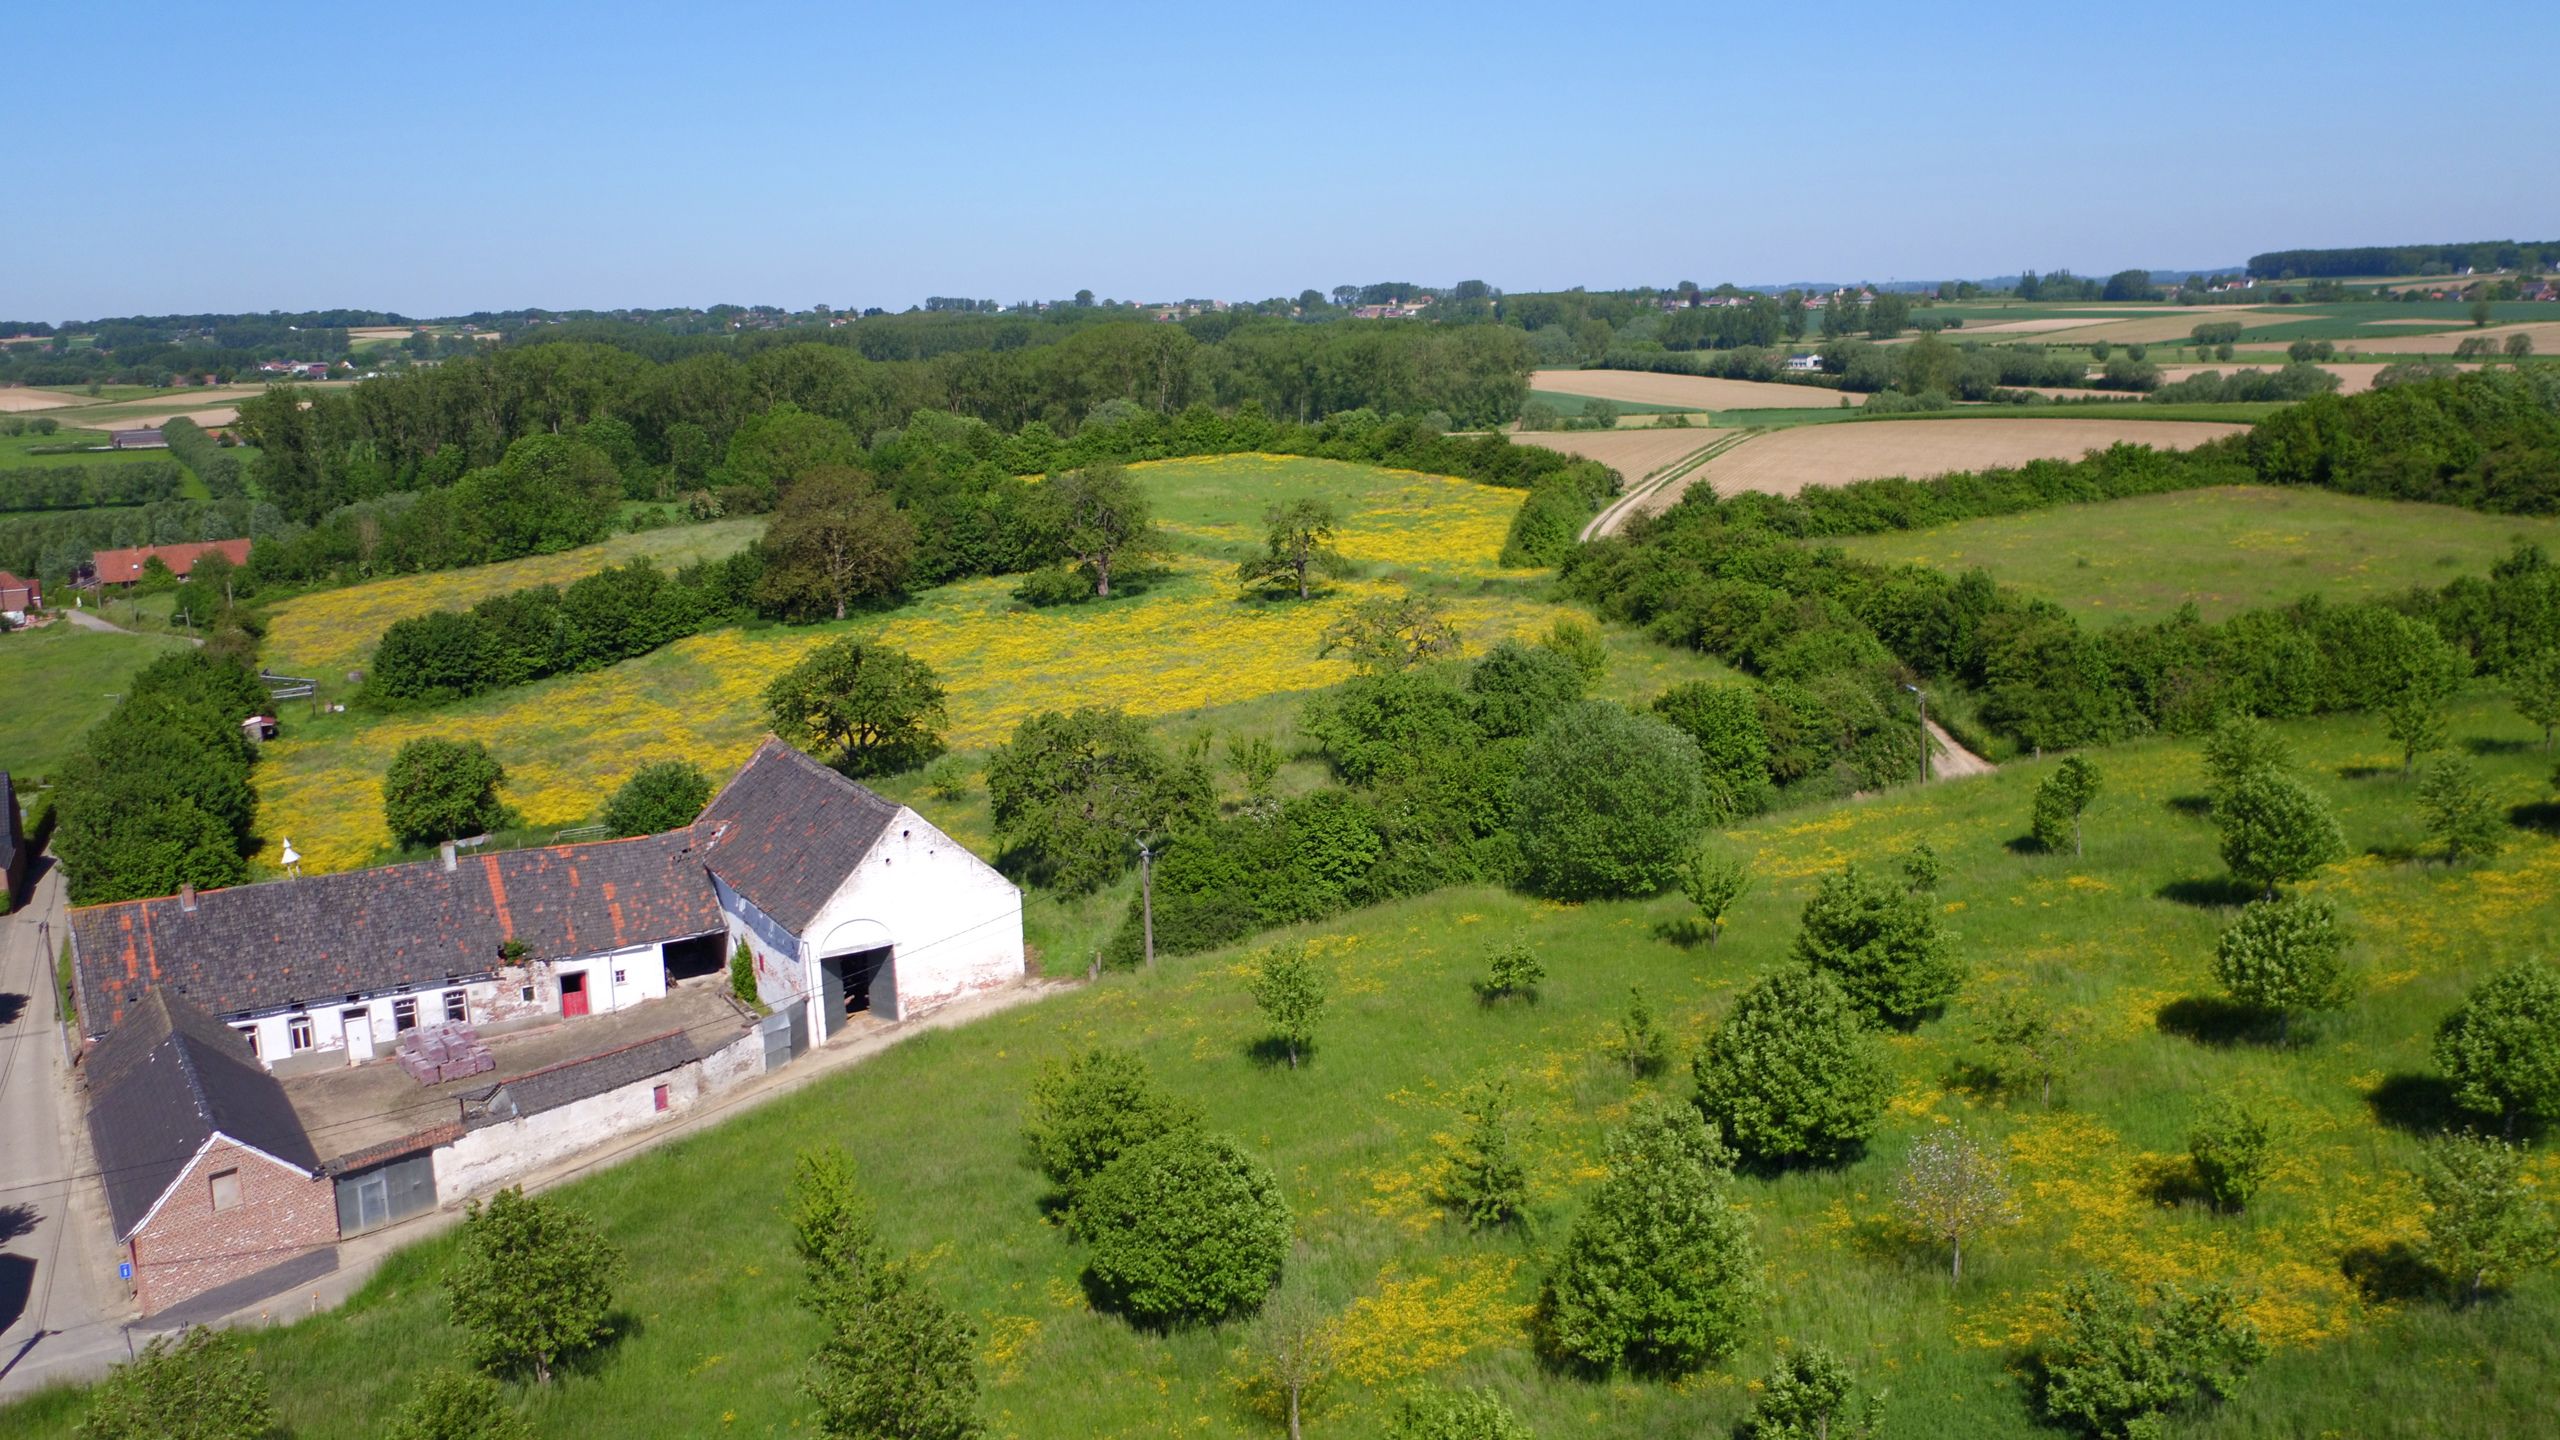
[1642, 1045]
[660, 797]
[2275, 830]
[2239, 746]
[2500, 1048]
[437, 790]
[1074, 791]
[1512, 970]
[1715, 882]
[2121, 1368]
[1187, 1227]
[160, 794]
[2061, 800]
[862, 707]
[1289, 989]
[1092, 1108]
[520, 636]
[2285, 957]
[1607, 804]
[1488, 1182]
[1882, 943]
[2459, 811]
[457, 1405]
[742, 976]
[1726, 721]
[2486, 1222]
[1579, 642]
[1518, 689]
[2231, 1146]
[2018, 1043]
[1440, 1413]
[199, 1386]
[896, 1360]
[1660, 1274]
[1809, 1394]
[1793, 1073]
[531, 1283]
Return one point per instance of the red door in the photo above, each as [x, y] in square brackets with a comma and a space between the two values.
[573, 995]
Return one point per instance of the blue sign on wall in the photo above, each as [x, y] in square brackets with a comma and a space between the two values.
[125, 1271]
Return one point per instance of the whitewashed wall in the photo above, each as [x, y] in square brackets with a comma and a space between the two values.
[955, 923]
[616, 980]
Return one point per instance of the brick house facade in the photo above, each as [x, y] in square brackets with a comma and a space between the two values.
[233, 1212]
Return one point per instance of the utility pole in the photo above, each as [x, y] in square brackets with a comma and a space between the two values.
[1924, 731]
[1147, 897]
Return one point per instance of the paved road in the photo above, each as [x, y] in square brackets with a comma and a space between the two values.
[58, 1294]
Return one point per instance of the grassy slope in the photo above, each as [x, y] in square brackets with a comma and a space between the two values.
[55, 683]
[714, 1340]
[2225, 549]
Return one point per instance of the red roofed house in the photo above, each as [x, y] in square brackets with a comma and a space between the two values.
[123, 567]
[17, 597]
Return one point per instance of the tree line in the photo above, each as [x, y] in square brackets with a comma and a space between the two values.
[83, 486]
[2450, 259]
[159, 795]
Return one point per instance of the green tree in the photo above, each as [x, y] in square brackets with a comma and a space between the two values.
[2230, 1146]
[1391, 633]
[2486, 1223]
[2285, 957]
[897, 1361]
[1793, 1072]
[1075, 791]
[1922, 870]
[1952, 1188]
[869, 709]
[1097, 516]
[1289, 989]
[2479, 313]
[2239, 747]
[2275, 830]
[2501, 1046]
[1607, 803]
[1438, 1413]
[1579, 642]
[2416, 723]
[664, 796]
[1187, 1227]
[2536, 685]
[532, 1282]
[1714, 882]
[2062, 799]
[1488, 1182]
[1641, 1041]
[1511, 968]
[201, 1386]
[1292, 1355]
[1882, 943]
[834, 540]
[2018, 1043]
[2120, 1367]
[1297, 542]
[457, 1405]
[1091, 1108]
[438, 790]
[1660, 1274]
[742, 976]
[2459, 812]
[775, 448]
[1810, 1395]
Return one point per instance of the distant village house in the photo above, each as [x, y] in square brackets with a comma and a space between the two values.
[124, 567]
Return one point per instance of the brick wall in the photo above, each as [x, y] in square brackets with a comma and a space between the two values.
[189, 1247]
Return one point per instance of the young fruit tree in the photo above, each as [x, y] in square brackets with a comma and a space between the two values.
[2501, 1047]
[1951, 1189]
[2486, 1223]
[1298, 541]
[1882, 943]
[1511, 970]
[1714, 882]
[2275, 830]
[201, 1386]
[2018, 1043]
[2230, 1147]
[1290, 992]
[532, 1283]
[2459, 812]
[1793, 1073]
[1488, 1182]
[1641, 1042]
[1810, 1395]
[1185, 1228]
[1660, 1274]
[2416, 723]
[2284, 957]
[2061, 800]
[1291, 1355]
[2536, 683]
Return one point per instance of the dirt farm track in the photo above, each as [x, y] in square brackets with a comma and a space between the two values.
[1783, 462]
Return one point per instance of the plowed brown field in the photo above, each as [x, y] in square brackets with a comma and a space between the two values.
[1634, 454]
[1783, 462]
[1643, 387]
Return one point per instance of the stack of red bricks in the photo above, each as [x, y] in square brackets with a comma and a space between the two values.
[433, 1054]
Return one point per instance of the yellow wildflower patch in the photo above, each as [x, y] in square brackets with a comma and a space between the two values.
[1414, 1325]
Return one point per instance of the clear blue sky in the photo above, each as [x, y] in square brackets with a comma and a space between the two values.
[444, 157]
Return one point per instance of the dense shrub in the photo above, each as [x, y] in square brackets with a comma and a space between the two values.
[526, 635]
[664, 796]
[1793, 1071]
[1606, 804]
[1881, 943]
[160, 794]
[437, 790]
[1186, 1227]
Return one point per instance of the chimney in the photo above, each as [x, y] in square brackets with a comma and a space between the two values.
[445, 853]
[187, 897]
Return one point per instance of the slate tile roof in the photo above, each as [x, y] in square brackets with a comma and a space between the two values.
[786, 831]
[167, 1079]
[283, 944]
[573, 1080]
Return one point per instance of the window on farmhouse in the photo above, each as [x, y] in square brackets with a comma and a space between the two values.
[659, 1096]
[525, 994]
[454, 1007]
[298, 1032]
[250, 1034]
[404, 1014]
[226, 1189]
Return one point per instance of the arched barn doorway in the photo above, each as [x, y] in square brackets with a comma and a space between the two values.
[857, 975]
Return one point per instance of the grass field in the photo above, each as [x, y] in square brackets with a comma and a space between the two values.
[1571, 406]
[20, 450]
[713, 1342]
[2225, 549]
[1185, 644]
[55, 682]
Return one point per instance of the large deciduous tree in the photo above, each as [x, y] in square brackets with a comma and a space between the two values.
[1297, 545]
[1793, 1072]
[864, 707]
[437, 790]
[1096, 516]
[1389, 633]
[664, 796]
[834, 541]
[1608, 803]
[1075, 791]
[1660, 1274]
